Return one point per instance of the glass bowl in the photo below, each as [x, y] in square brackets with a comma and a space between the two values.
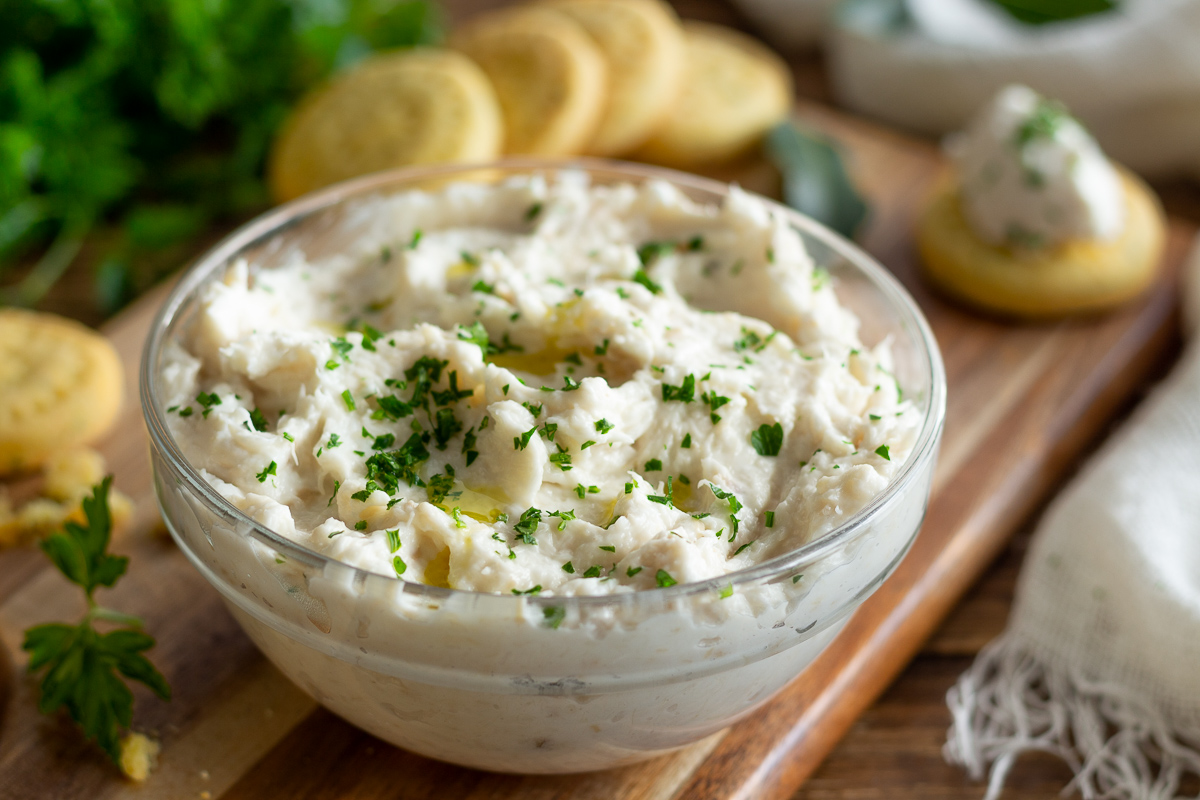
[541, 684]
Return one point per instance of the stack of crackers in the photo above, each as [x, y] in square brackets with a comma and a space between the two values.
[612, 78]
[60, 389]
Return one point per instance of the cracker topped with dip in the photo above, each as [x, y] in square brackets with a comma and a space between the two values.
[1037, 221]
[542, 386]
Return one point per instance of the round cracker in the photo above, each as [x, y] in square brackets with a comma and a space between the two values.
[419, 106]
[734, 91]
[1072, 277]
[60, 387]
[642, 45]
[549, 76]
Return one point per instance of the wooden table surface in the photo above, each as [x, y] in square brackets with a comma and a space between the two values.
[894, 750]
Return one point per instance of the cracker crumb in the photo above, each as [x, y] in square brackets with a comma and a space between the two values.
[139, 755]
[71, 474]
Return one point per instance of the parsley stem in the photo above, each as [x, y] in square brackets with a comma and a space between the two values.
[96, 612]
[51, 266]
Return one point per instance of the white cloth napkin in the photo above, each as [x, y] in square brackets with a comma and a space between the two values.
[1101, 660]
[1132, 76]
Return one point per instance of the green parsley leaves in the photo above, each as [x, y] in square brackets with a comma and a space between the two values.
[767, 439]
[684, 392]
[83, 666]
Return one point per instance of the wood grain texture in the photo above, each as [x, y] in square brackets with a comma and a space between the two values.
[1023, 401]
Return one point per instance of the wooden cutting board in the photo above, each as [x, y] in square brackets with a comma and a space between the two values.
[1023, 401]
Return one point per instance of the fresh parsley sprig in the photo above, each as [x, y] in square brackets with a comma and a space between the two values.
[82, 664]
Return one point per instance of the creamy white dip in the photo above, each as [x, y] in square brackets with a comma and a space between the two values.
[544, 388]
[1032, 176]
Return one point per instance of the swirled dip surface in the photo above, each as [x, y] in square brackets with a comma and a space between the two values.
[541, 387]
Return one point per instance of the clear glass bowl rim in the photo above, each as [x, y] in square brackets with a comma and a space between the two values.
[277, 220]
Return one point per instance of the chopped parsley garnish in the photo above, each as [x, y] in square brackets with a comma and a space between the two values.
[269, 469]
[601, 349]
[399, 566]
[883, 452]
[727, 591]
[629, 573]
[652, 251]
[820, 279]
[743, 547]
[552, 616]
[207, 400]
[415, 240]
[593, 571]
[288, 436]
[387, 469]
[573, 358]
[336, 485]
[348, 399]
[628, 488]
[528, 524]
[686, 444]
[393, 538]
[485, 288]
[369, 336]
[667, 499]
[568, 568]
[570, 384]
[603, 426]
[734, 504]
[641, 277]
[533, 590]
[258, 421]
[875, 417]
[684, 392]
[470, 259]
[456, 515]
[749, 340]
[714, 402]
[445, 426]
[334, 441]
[768, 439]
[587, 444]
[664, 579]
[653, 465]
[476, 334]
[563, 517]
[439, 488]
[535, 410]
[451, 395]
[361, 525]
[186, 412]
[383, 441]
[770, 519]
[796, 578]
[393, 407]
[562, 458]
[520, 442]
[609, 548]
[342, 348]
[532, 212]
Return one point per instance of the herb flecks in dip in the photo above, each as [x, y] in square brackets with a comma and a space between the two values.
[1033, 177]
[540, 388]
